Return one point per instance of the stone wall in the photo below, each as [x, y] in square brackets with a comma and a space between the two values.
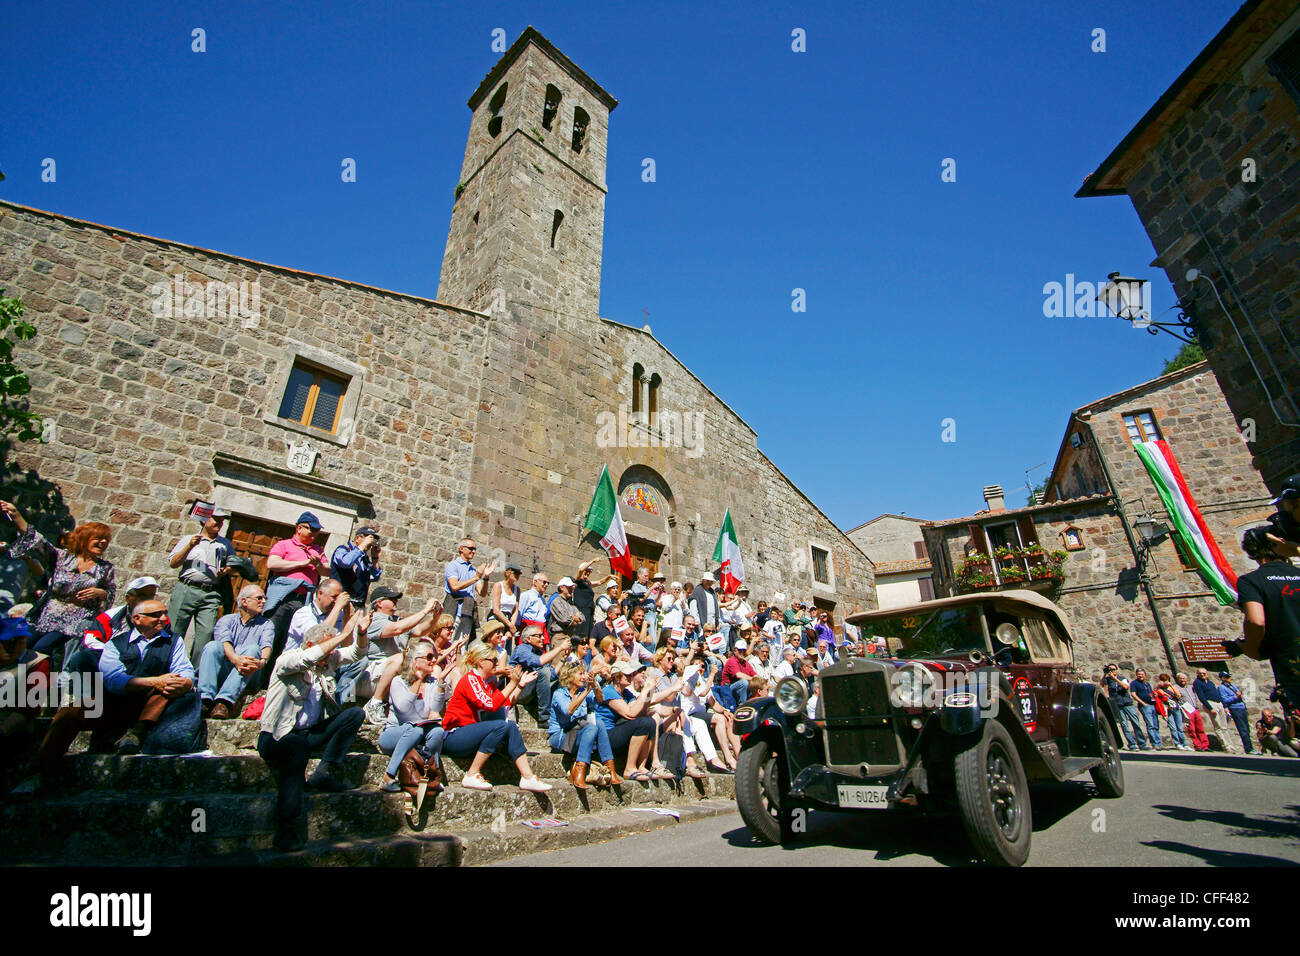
[1201, 211]
[888, 538]
[142, 404]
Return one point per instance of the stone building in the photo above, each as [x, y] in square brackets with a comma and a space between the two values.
[896, 547]
[1128, 600]
[1213, 170]
[168, 373]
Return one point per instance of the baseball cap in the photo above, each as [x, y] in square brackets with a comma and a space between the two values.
[13, 628]
[310, 520]
[378, 594]
[139, 584]
[565, 582]
[626, 667]
[367, 530]
[515, 568]
[741, 646]
[1289, 487]
[220, 513]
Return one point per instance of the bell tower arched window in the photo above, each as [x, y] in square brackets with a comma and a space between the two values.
[638, 375]
[552, 106]
[498, 101]
[653, 410]
[580, 123]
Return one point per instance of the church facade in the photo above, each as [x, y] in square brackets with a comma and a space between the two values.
[168, 373]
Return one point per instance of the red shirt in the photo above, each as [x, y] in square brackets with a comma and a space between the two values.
[735, 667]
[472, 694]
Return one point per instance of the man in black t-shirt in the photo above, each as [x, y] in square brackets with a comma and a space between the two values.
[1276, 736]
[1270, 598]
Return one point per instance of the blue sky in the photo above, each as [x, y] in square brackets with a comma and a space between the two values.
[776, 170]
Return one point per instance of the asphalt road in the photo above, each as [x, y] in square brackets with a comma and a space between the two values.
[1179, 810]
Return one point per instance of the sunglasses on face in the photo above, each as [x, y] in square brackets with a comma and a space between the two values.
[151, 613]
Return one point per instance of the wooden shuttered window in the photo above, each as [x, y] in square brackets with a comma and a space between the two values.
[1285, 65]
[313, 398]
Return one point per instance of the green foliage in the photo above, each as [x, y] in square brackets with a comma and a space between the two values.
[460, 188]
[1189, 354]
[1040, 488]
[17, 420]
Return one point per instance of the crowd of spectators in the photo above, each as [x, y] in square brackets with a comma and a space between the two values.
[633, 684]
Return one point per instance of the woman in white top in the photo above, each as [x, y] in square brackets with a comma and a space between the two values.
[505, 601]
[695, 714]
[414, 719]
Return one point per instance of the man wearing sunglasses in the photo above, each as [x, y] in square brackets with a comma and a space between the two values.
[240, 647]
[464, 582]
[145, 670]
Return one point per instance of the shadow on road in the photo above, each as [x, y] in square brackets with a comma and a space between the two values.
[1220, 857]
[1285, 825]
[901, 833]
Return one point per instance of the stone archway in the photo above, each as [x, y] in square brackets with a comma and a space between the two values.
[646, 503]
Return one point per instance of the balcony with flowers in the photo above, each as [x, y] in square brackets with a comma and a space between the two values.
[1030, 566]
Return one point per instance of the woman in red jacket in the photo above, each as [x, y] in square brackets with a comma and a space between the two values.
[468, 732]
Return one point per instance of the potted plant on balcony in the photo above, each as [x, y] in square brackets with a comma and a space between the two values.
[1032, 550]
[1012, 574]
[1002, 553]
[975, 559]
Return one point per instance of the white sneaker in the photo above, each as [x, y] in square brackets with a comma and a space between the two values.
[533, 784]
[376, 712]
[475, 781]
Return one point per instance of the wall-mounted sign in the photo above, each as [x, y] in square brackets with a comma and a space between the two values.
[1204, 650]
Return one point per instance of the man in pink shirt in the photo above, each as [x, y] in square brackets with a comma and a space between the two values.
[294, 567]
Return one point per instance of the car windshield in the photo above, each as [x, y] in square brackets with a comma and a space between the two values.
[940, 633]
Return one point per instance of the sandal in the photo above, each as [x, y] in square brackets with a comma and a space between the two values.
[696, 773]
[640, 776]
[662, 773]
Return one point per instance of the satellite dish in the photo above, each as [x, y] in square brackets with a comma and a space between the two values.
[1007, 634]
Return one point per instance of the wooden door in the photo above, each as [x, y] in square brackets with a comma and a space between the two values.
[644, 554]
[253, 538]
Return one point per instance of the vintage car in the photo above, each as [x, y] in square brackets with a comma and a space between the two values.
[973, 699]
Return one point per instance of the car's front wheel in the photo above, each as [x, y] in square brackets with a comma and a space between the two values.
[759, 796]
[993, 795]
[1109, 775]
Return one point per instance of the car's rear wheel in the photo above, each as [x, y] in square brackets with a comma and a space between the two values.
[993, 796]
[1109, 775]
[759, 795]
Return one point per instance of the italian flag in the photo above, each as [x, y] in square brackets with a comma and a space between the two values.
[1178, 501]
[604, 519]
[727, 552]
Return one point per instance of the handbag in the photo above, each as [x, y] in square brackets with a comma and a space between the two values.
[415, 776]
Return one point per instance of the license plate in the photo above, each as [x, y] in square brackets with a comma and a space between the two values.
[872, 798]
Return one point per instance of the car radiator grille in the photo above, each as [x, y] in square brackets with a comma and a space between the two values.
[855, 696]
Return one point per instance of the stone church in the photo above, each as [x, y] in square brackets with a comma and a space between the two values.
[168, 373]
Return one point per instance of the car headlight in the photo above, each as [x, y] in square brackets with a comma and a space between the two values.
[912, 685]
[791, 695]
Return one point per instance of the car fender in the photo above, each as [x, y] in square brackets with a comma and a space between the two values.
[1087, 707]
[995, 701]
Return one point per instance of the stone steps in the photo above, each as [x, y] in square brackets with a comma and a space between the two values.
[107, 810]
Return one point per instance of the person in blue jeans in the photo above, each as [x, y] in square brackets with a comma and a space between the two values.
[570, 706]
[1145, 696]
[1230, 696]
[1126, 715]
[233, 660]
[472, 726]
[530, 657]
[413, 720]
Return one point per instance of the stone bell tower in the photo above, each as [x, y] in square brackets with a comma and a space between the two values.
[527, 227]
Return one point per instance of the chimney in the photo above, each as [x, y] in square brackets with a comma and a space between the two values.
[994, 498]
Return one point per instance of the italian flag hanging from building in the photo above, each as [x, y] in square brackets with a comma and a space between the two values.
[604, 519]
[727, 553]
[1178, 501]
